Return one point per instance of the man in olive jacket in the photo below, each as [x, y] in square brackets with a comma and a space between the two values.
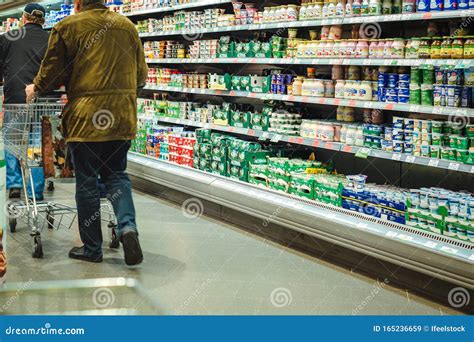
[97, 54]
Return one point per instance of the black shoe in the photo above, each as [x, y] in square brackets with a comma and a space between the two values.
[14, 193]
[79, 254]
[131, 248]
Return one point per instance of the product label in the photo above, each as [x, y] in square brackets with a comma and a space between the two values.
[422, 5]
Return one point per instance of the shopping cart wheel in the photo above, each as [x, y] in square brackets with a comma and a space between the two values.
[37, 248]
[115, 241]
[50, 186]
[12, 223]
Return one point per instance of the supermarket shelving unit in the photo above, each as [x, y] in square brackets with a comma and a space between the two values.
[434, 255]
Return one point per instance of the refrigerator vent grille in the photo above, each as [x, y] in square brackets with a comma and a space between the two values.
[393, 225]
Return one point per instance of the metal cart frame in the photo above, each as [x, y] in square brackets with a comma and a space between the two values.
[22, 131]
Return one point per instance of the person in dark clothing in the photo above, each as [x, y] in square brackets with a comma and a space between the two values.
[21, 54]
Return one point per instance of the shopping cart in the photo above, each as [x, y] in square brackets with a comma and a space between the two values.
[107, 296]
[22, 129]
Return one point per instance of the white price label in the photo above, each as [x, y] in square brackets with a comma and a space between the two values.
[265, 135]
[391, 234]
[396, 156]
[405, 237]
[433, 162]
[471, 257]
[414, 108]
[207, 126]
[449, 250]
[410, 159]
[472, 169]
[368, 104]
[453, 166]
[430, 244]
[203, 91]
[276, 138]
[437, 110]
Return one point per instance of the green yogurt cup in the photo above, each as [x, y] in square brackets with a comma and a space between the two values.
[453, 141]
[437, 126]
[445, 153]
[447, 128]
[435, 151]
[462, 155]
[436, 139]
[462, 143]
[453, 154]
[470, 131]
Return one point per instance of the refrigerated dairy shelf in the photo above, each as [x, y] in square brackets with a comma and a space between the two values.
[362, 152]
[429, 253]
[195, 4]
[456, 63]
[315, 23]
[445, 111]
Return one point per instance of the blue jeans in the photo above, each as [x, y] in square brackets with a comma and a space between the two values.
[107, 160]
[15, 122]
[15, 179]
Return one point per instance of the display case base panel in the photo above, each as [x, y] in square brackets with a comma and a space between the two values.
[427, 263]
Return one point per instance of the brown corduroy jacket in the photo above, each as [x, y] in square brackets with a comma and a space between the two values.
[98, 55]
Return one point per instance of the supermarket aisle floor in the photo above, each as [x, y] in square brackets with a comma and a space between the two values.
[203, 266]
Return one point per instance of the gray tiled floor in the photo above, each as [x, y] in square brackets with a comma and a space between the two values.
[202, 266]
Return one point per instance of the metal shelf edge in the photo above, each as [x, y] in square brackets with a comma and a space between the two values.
[460, 63]
[445, 111]
[195, 4]
[322, 22]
